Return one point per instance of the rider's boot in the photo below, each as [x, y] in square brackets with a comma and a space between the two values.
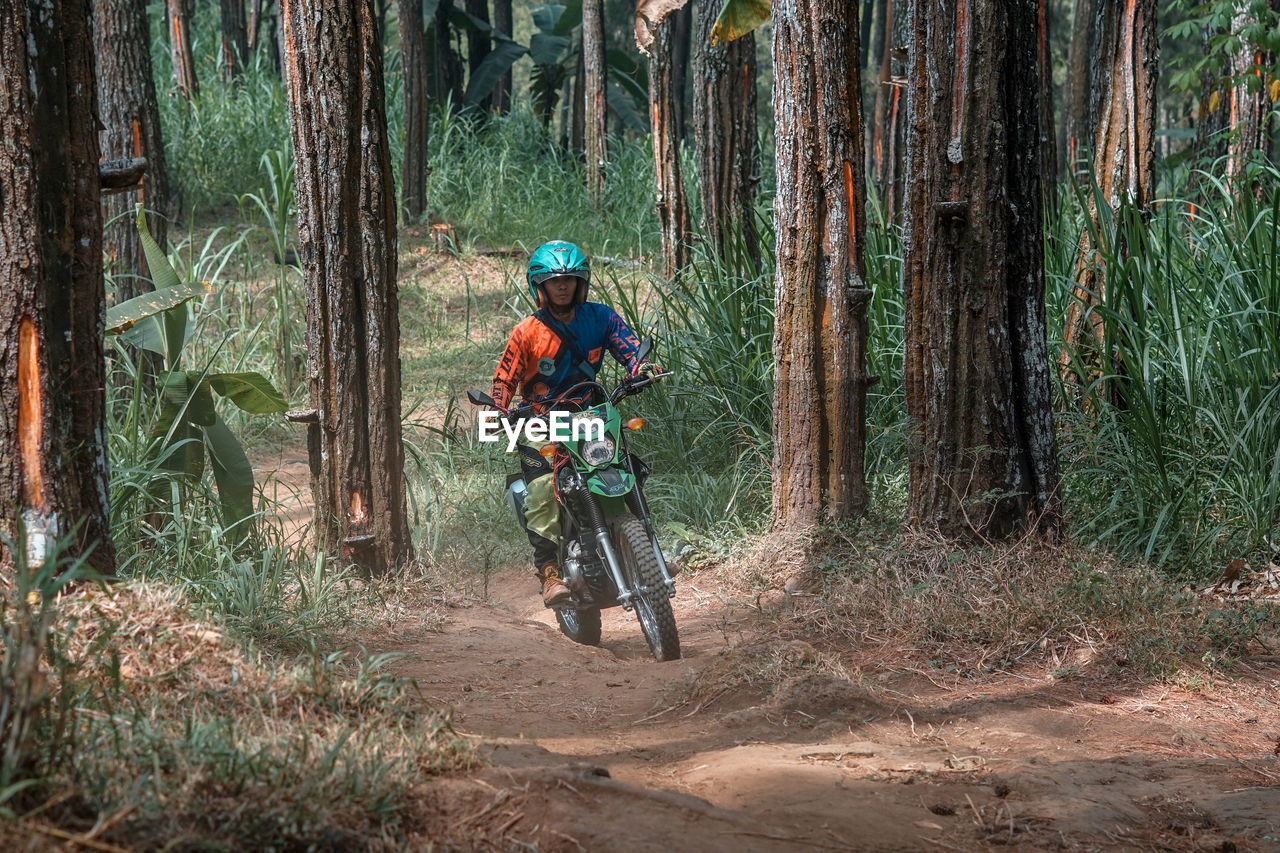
[553, 589]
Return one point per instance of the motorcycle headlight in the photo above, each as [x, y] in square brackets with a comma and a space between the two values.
[597, 452]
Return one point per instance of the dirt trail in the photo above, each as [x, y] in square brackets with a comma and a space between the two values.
[820, 763]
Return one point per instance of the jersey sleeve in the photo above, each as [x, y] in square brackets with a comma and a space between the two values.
[507, 378]
[622, 341]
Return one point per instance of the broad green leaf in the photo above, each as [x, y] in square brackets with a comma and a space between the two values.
[251, 392]
[490, 71]
[429, 8]
[174, 388]
[547, 50]
[464, 20]
[625, 107]
[737, 18]
[233, 474]
[121, 317]
[546, 17]
[147, 334]
[164, 276]
[200, 410]
[570, 19]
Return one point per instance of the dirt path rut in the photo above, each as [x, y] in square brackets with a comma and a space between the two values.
[600, 748]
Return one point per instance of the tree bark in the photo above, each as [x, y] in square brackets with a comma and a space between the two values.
[53, 462]
[502, 23]
[448, 74]
[184, 65]
[130, 120]
[1122, 104]
[595, 107]
[347, 236]
[234, 49]
[820, 335]
[578, 117]
[413, 69]
[478, 45]
[681, 46]
[673, 207]
[1076, 125]
[976, 373]
[1248, 104]
[728, 153]
[1048, 134]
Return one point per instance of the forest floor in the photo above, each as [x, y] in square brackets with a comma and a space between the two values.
[602, 748]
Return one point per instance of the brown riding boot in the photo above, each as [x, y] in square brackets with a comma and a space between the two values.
[553, 589]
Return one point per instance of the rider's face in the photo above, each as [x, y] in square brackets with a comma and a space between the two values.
[561, 290]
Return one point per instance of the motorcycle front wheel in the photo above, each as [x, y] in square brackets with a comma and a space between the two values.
[581, 626]
[652, 605]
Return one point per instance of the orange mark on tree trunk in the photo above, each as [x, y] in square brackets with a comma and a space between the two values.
[136, 130]
[30, 410]
[850, 207]
[359, 515]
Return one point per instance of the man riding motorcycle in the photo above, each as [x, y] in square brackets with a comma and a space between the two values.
[548, 352]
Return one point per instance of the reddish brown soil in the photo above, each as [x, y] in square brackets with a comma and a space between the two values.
[596, 748]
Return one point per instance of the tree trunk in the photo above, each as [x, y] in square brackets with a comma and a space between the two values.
[448, 74]
[594, 105]
[728, 154]
[254, 26]
[347, 235]
[673, 208]
[53, 462]
[681, 45]
[976, 373]
[502, 23]
[1076, 125]
[234, 49]
[1048, 137]
[578, 121]
[413, 69]
[864, 36]
[1248, 105]
[820, 336]
[130, 120]
[1211, 117]
[478, 45]
[1122, 104]
[184, 65]
[887, 135]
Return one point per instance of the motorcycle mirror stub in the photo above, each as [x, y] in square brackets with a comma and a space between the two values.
[635, 423]
[479, 398]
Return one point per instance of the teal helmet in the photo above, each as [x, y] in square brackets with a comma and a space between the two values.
[558, 258]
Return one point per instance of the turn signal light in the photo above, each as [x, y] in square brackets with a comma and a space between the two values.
[635, 423]
[547, 451]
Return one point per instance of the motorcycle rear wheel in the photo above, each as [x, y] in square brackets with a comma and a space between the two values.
[581, 626]
[652, 605]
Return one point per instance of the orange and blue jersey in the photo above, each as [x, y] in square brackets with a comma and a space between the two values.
[539, 365]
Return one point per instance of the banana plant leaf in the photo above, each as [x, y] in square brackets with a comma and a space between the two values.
[546, 16]
[547, 49]
[233, 474]
[569, 19]
[625, 107]
[163, 276]
[737, 18]
[490, 71]
[251, 392]
[120, 318]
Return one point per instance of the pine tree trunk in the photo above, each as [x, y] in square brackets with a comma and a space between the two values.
[1048, 134]
[413, 70]
[578, 118]
[235, 39]
[864, 36]
[347, 236]
[681, 46]
[728, 153]
[1248, 105]
[130, 128]
[594, 105]
[478, 45]
[502, 23]
[254, 26]
[53, 462]
[448, 74]
[1211, 117]
[1076, 124]
[820, 335]
[673, 208]
[976, 372]
[1122, 104]
[184, 64]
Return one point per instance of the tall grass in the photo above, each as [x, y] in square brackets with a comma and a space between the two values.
[1180, 461]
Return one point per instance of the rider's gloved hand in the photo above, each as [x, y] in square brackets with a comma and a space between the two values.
[647, 369]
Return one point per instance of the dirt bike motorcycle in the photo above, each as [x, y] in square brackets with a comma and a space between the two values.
[609, 553]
